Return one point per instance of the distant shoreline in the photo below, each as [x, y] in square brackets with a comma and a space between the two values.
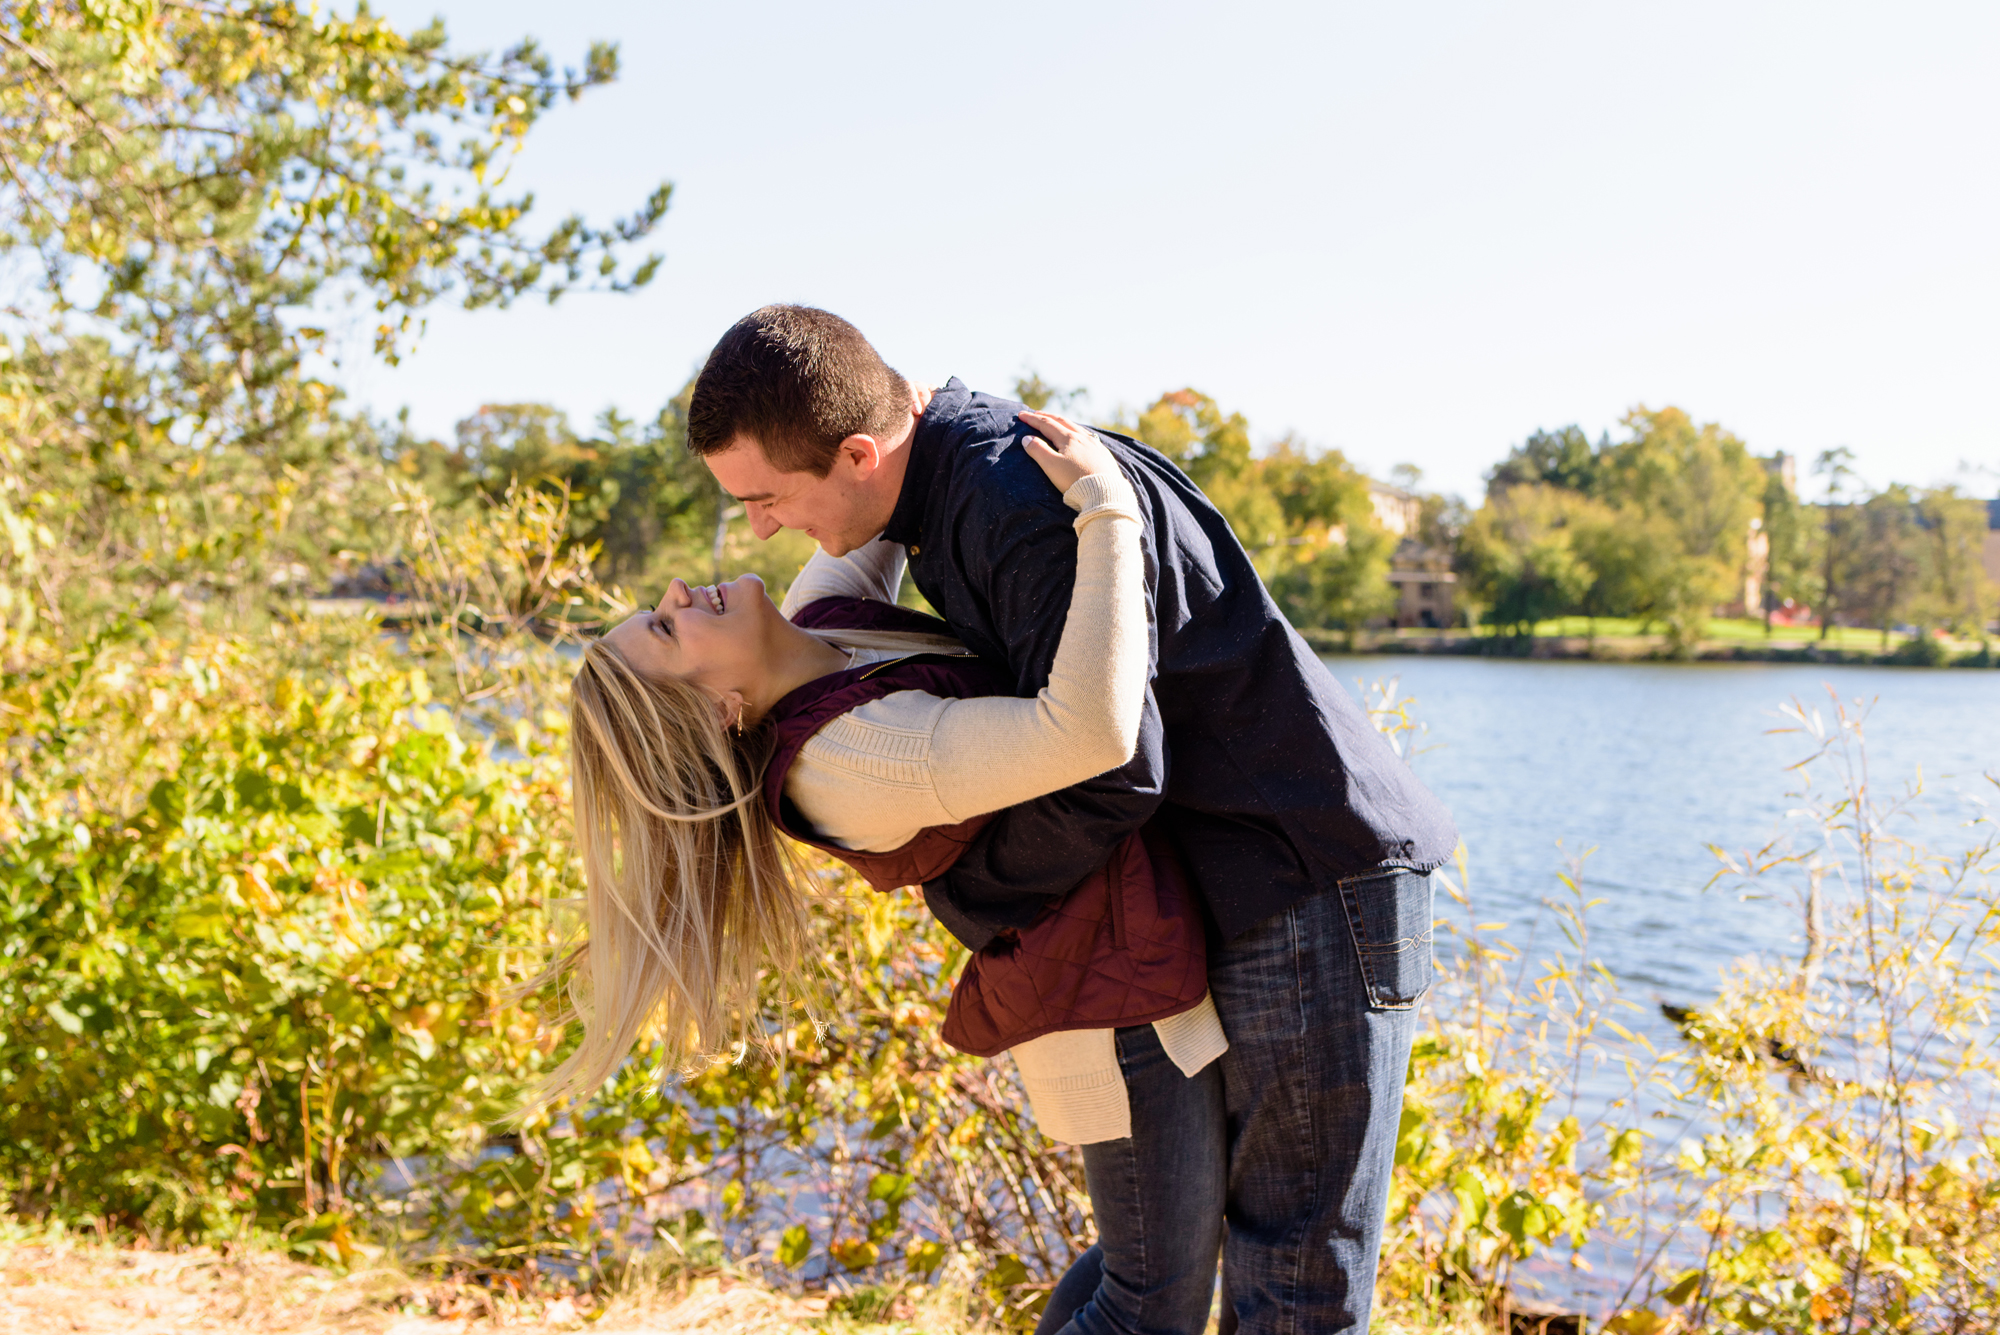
[1645, 649]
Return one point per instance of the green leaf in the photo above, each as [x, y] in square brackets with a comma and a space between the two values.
[1684, 1288]
[1518, 1214]
[794, 1245]
[1471, 1193]
[891, 1187]
[70, 1023]
[1007, 1272]
[924, 1257]
[855, 1253]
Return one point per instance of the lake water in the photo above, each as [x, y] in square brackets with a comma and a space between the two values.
[1652, 763]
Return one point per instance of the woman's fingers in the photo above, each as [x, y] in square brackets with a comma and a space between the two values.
[1069, 451]
[1061, 469]
[1041, 451]
[1080, 448]
[1054, 425]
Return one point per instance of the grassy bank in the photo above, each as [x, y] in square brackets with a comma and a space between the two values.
[1624, 640]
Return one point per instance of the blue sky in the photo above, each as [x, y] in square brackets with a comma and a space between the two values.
[1411, 232]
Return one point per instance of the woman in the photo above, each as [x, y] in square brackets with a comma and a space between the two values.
[705, 727]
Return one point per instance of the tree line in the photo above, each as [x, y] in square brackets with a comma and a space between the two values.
[1664, 524]
[1677, 519]
[651, 512]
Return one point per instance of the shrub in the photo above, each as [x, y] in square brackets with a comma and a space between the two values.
[265, 902]
[1921, 650]
[258, 919]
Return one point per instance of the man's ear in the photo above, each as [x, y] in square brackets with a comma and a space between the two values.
[859, 455]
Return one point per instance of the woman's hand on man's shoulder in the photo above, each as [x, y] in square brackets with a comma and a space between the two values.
[1066, 451]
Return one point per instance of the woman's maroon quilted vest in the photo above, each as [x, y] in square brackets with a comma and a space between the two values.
[1125, 947]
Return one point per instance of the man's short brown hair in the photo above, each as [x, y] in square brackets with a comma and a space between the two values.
[798, 381]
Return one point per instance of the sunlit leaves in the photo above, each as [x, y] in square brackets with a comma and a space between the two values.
[193, 194]
[288, 892]
[223, 161]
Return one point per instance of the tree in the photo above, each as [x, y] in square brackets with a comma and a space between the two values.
[636, 496]
[1213, 448]
[1332, 566]
[1957, 593]
[1788, 529]
[1840, 536]
[1304, 516]
[1639, 570]
[122, 499]
[1526, 553]
[1702, 482]
[1667, 540]
[1441, 519]
[1560, 458]
[189, 190]
[1043, 396]
[203, 167]
[1888, 582]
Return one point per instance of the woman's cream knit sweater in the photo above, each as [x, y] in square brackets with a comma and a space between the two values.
[875, 776]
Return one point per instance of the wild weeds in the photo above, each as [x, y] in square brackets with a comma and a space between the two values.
[1814, 1149]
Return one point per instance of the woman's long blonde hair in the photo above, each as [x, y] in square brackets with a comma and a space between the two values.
[690, 895]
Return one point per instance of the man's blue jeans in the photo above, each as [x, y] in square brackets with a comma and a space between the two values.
[1293, 1150]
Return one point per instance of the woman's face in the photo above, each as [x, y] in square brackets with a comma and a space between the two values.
[712, 635]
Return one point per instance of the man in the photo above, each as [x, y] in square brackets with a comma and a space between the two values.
[1310, 840]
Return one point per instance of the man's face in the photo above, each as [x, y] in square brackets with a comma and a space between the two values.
[836, 511]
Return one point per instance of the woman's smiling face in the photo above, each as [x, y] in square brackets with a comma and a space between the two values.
[714, 636]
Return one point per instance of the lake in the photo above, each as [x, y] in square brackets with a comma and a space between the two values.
[1651, 763]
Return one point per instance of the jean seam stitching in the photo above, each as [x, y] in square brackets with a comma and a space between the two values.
[1318, 1178]
[1138, 1204]
[1350, 909]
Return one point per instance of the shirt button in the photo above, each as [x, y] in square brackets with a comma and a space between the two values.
[916, 550]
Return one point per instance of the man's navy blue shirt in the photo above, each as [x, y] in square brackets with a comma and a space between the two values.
[1266, 773]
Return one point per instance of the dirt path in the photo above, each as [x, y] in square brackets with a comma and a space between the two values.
[90, 1290]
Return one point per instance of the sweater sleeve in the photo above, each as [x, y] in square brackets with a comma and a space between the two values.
[871, 571]
[875, 776]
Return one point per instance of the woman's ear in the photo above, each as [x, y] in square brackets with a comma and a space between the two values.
[729, 706]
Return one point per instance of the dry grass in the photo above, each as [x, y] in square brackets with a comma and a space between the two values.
[82, 1288]
[79, 1287]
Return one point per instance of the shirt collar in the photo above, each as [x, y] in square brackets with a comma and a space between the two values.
[927, 444]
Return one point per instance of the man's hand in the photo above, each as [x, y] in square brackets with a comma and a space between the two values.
[1070, 452]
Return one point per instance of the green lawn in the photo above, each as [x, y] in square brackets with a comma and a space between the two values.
[1727, 630]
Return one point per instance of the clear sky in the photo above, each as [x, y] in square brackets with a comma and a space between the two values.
[1414, 232]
